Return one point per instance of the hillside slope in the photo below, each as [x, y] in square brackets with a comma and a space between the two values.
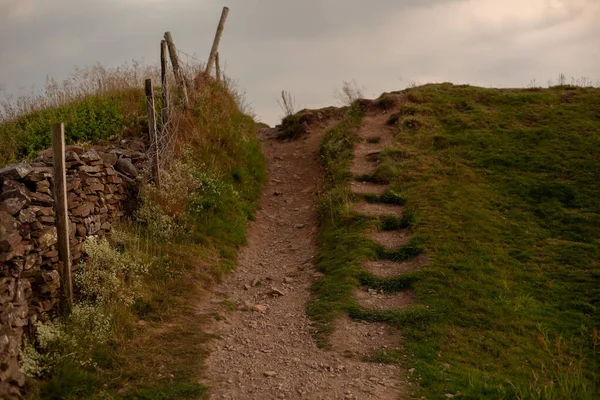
[500, 194]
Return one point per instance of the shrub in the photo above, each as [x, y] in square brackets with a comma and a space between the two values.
[71, 340]
[109, 275]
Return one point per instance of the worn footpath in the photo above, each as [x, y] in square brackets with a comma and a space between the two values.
[264, 348]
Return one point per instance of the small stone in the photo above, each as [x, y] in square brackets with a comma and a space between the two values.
[276, 292]
[270, 373]
[300, 226]
[277, 193]
[318, 275]
[246, 286]
[259, 308]
[449, 395]
[288, 280]
[411, 370]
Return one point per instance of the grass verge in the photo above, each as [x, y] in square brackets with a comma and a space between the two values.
[184, 239]
[343, 245]
[504, 188]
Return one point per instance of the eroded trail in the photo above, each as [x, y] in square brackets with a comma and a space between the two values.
[266, 349]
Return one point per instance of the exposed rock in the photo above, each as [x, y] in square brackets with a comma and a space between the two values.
[125, 166]
[276, 292]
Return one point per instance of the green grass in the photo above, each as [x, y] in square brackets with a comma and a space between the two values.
[501, 190]
[163, 358]
[343, 245]
[90, 120]
[504, 188]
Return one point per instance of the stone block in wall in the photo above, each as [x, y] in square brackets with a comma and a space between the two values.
[108, 158]
[38, 173]
[47, 238]
[83, 210]
[10, 341]
[92, 224]
[73, 183]
[9, 233]
[90, 156]
[14, 199]
[43, 187]
[26, 216]
[91, 170]
[41, 199]
[15, 172]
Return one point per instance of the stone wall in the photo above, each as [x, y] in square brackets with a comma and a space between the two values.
[101, 185]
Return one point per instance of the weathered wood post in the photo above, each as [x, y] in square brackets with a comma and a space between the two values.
[164, 116]
[152, 131]
[215, 46]
[176, 69]
[62, 216]
[218, 67]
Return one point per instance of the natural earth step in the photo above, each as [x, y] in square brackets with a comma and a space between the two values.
[368, 188]
[361, 338]
[391, 240]
[373, 300]
[378, 209]
[389, 269]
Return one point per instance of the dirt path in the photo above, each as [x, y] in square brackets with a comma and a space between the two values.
[266, 349]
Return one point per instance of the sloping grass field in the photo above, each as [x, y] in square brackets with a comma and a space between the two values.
[503, 190]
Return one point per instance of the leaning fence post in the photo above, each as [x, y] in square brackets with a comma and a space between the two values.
[62, 216]
[152, 131]
[218, 67]
[176, 69]
[165, 90]
[215, 46]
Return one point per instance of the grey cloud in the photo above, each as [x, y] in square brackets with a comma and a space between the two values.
[309, 47]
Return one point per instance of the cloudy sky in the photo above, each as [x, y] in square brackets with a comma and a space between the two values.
[309, 47]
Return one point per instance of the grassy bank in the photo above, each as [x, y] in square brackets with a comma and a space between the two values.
[503, 187]
[142, 286]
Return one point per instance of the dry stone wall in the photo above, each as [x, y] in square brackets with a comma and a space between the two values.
[101, 185]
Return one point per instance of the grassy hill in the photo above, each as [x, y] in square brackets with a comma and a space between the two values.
[134, 332]
[503, 187]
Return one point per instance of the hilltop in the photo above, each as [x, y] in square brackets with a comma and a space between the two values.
[439, 241]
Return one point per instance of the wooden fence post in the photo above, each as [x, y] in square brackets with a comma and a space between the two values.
[165, 90]
[176, 69]
[218, 67]
[62, 216]
[152, 130]
[215, 46]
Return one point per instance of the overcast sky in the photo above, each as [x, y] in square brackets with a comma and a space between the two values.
[310, 47]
